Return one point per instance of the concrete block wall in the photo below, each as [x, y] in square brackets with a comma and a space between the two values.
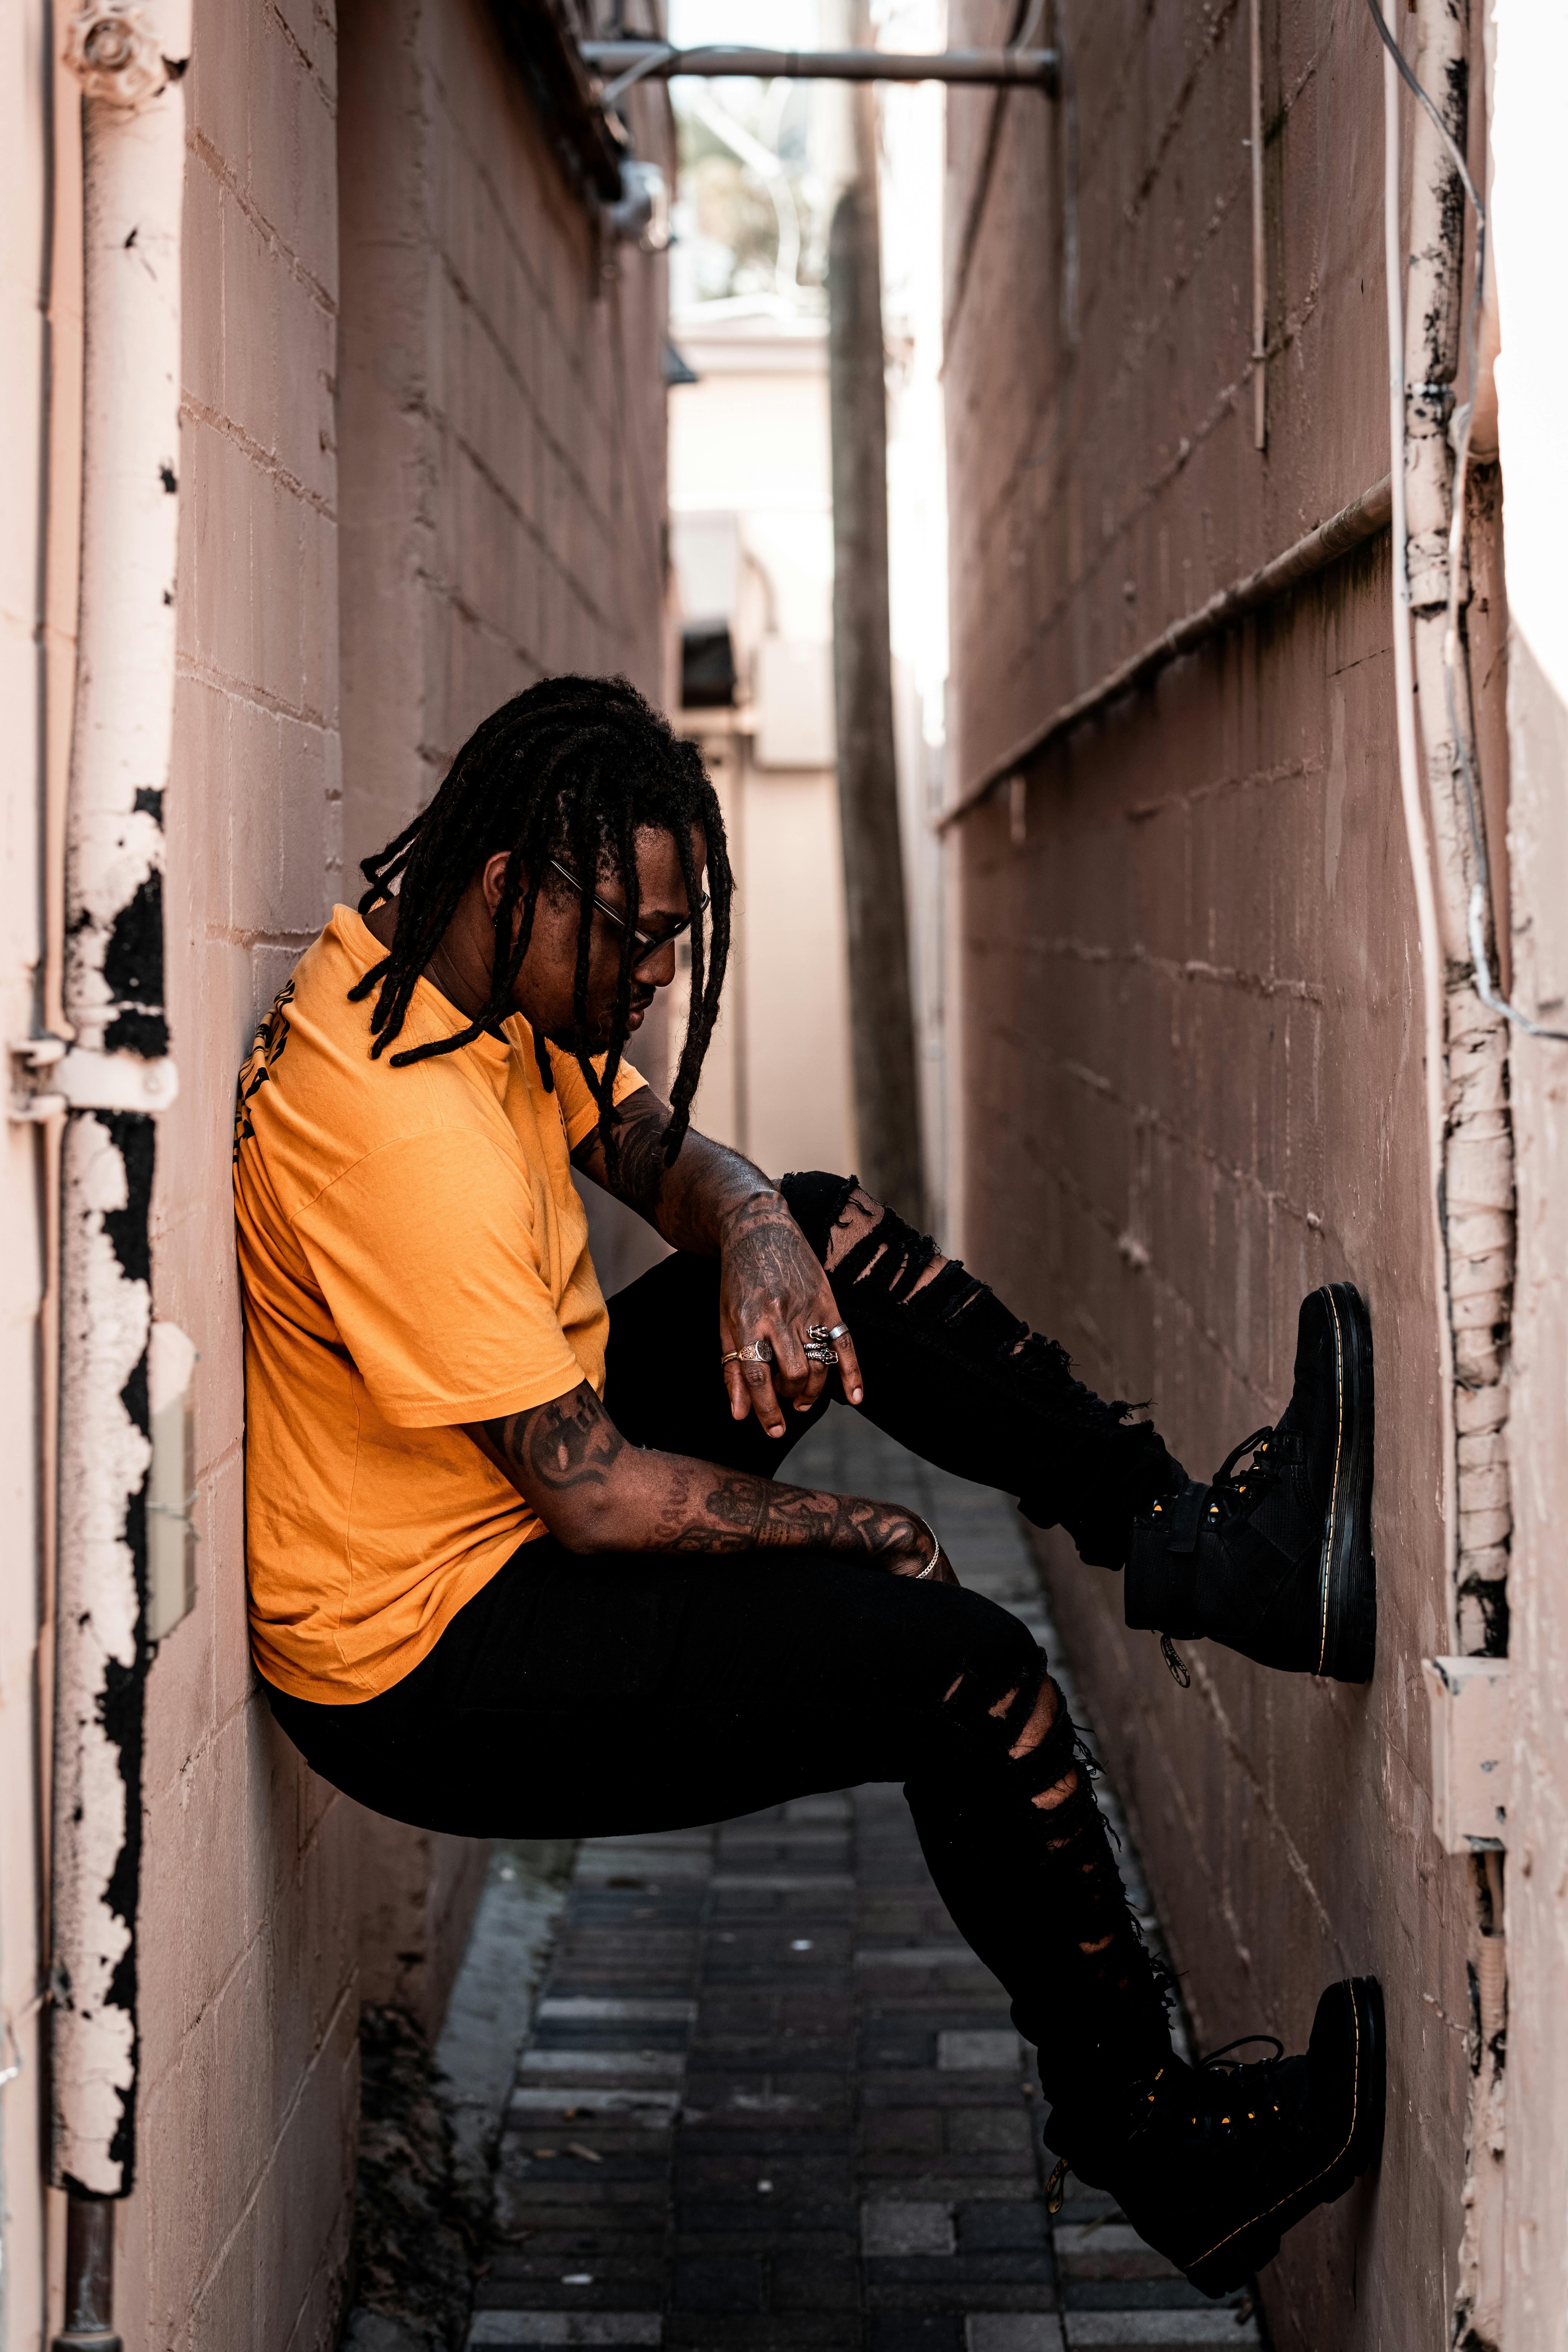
[1192, 1032]
[501, 463]
[417, 1894]
[268, 1910]
[237, 2232]
[502, 451]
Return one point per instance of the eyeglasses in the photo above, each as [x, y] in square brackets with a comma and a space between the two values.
[647, 942]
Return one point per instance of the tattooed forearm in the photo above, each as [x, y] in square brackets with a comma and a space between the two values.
[688, 1203]
[640, 1122]
[597, 1492]
[725, 1510]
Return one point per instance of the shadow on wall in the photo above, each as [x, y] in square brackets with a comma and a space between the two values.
[430, 2117]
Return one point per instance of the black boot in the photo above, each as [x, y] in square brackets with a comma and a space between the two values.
[1277, 1562]
[1212, 2166]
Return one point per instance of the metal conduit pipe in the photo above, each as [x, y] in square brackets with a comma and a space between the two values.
[111, 1082]
[633, 61]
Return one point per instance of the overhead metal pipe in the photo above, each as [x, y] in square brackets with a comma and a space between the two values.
[633, 61]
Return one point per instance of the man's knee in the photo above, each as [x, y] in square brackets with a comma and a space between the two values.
[971, 1641]
[817, 1199]
[861, 1241]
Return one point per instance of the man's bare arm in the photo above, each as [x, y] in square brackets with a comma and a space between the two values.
[715, 1203]
[690, 1203]
[596, 1493]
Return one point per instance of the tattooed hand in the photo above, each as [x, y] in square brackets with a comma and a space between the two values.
[596, 1493]
[714, 1203]
[772, 1286]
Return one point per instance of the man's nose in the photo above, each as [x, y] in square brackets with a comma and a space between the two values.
[658, 969]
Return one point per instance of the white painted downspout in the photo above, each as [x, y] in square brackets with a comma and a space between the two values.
[111, 1082]
[1412, 799]
[1467, 1038]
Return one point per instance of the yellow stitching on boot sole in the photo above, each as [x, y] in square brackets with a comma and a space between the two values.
[1355, 2102]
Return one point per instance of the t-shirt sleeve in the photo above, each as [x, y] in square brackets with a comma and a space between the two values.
[424, 1252]
[578, 1106]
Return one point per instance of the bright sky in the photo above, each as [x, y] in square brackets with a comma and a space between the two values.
[765, 24]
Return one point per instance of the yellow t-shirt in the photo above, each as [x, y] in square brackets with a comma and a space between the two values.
[413, 1254]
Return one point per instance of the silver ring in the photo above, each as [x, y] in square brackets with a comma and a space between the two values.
[755, 1352]
[817, 1351]
[820, 1331]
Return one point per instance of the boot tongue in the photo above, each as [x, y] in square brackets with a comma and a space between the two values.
[1103, 2067]
[1182, 1515]
[1093, 2119]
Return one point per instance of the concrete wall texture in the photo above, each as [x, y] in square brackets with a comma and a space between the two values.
[1529, 56]
[1191, 1048]
[423, 424]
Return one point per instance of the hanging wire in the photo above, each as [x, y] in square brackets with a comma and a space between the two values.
[1459, 434]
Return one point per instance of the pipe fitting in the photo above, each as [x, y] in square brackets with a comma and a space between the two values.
[642, 215]
[113, 51]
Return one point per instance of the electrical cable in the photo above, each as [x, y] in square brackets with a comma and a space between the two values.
[1459, 438]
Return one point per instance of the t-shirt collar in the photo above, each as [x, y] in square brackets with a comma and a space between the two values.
[361, 944]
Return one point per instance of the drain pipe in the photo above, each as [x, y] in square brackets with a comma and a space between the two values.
[1467, 1073]
[110, 1083]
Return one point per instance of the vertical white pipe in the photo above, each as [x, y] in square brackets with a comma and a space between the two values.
[1419, 847]
[118, 1073]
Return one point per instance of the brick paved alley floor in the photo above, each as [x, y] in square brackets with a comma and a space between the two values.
[770, 2099]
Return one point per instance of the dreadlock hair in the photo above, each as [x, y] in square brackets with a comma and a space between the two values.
[573, 766]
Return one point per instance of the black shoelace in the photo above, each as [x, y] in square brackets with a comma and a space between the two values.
[1227, 1490]
[1252, 2099]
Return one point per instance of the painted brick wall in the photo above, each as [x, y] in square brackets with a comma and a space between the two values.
[237, 2232]
[502, 430]
[524, 507]
[1191, 1036]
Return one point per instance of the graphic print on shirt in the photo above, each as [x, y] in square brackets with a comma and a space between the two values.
[271, 1036]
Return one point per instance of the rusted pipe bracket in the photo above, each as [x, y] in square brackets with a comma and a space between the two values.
[113, 51]
[52, 1077]
[1471, 1756]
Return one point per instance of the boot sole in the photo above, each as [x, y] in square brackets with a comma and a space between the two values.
[1347, 1648]
[1232, 2264]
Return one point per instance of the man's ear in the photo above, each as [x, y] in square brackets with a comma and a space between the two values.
[492, 879]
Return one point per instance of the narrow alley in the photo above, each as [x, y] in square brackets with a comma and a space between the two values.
[591, 614]
[770, 2099]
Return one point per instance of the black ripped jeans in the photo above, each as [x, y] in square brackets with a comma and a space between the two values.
[580, 1695]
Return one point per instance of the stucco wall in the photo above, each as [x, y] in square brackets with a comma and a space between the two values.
[1192, 1042]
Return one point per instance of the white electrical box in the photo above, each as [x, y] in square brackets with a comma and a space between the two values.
[792, 700]
[1470, 1752]
[171, 1481]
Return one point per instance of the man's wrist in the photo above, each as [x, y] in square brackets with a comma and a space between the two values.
[764, 1202]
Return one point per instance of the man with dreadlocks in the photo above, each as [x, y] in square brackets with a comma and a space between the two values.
[520, 1563]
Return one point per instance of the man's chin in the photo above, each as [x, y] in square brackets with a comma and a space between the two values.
[570, 1040]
